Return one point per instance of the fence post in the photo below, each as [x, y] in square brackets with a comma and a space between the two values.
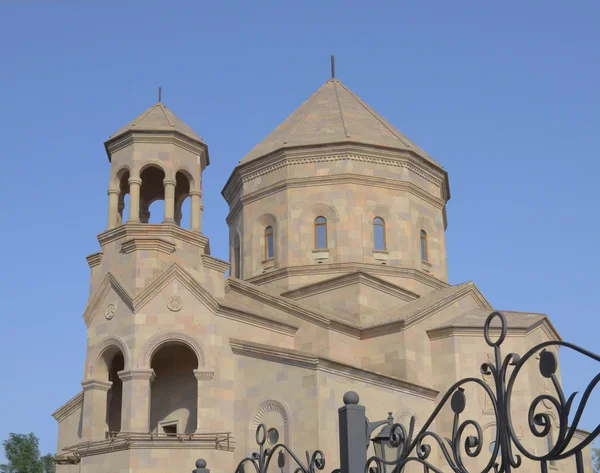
[353, 435]
[201, 466]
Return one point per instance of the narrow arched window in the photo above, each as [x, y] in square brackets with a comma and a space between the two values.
[320, 232]
[237, 258]
[269, 242]
[379, 234]
[423, 245]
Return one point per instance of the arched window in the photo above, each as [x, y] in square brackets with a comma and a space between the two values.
[237, 258]
[379, 234]
[320, 232]
[423, 245]
[269, 242]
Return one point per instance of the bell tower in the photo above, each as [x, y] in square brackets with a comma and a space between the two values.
[153, 291]
[156, 157]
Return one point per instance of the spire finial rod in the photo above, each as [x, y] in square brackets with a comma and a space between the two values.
[332, 66]
[159, 94]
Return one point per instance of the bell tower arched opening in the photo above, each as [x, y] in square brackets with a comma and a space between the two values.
[183, 185]
[174, 391]
[123, 183]
[151, 192]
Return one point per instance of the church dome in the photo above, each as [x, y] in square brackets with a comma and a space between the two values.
[334, 114]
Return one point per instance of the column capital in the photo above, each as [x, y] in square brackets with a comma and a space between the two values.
[136, 374]
[113, 191]
[204, 375]
[198, 193]
[169, 181]
[96, 384]
[135, 180]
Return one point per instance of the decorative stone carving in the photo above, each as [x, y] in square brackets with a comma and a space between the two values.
[174, 303]
[96, 384]
[270, 405]
[110, 311]
[204, 375]
[136, 374]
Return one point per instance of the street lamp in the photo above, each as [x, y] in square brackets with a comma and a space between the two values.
[385, 448]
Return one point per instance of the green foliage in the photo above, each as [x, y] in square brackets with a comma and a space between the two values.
[23, 454]
[596, 458]
[48, 463]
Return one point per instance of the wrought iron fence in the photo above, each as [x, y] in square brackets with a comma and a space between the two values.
[397, 445]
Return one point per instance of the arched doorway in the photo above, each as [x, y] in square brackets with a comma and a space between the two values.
[174, 391]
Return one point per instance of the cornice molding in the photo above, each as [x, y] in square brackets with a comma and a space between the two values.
[428, 311]
[345, 280]
[338, 368]
[220, 308]
[216, 264]
[336, 152]
[152, 137]
[291, 307]
[346, 178]
[68, 407]
[94, 259]
[148, 243]
[163, 231]
[249, 317]
[336, 268]
[469, 330]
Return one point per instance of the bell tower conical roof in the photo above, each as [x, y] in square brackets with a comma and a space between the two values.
[334, 114]
[158, 118]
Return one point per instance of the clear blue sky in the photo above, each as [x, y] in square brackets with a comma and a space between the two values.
[504, 94]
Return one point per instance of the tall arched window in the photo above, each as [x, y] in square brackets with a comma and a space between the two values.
[379, 234]
[423, 245]
[237, 260]
[269, 242]
[320, 232]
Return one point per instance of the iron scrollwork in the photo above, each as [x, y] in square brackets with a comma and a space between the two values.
[417, 448]
[262, 459]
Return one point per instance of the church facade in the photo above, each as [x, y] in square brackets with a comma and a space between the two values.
[338, 281]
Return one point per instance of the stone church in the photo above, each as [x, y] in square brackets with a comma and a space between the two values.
[338, 281]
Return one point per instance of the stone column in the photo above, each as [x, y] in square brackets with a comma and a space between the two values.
[207, 409]
[134, 199]
[94, 408]
[113, 208]
[196, 207]
[169, 200]
[135, 413]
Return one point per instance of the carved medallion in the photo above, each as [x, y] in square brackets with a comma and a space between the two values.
[110, 311]
[174, 303]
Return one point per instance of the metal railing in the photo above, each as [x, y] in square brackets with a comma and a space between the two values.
[404, 446]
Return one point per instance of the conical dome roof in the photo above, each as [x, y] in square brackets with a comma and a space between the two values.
[334, 114]
[158, 118]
